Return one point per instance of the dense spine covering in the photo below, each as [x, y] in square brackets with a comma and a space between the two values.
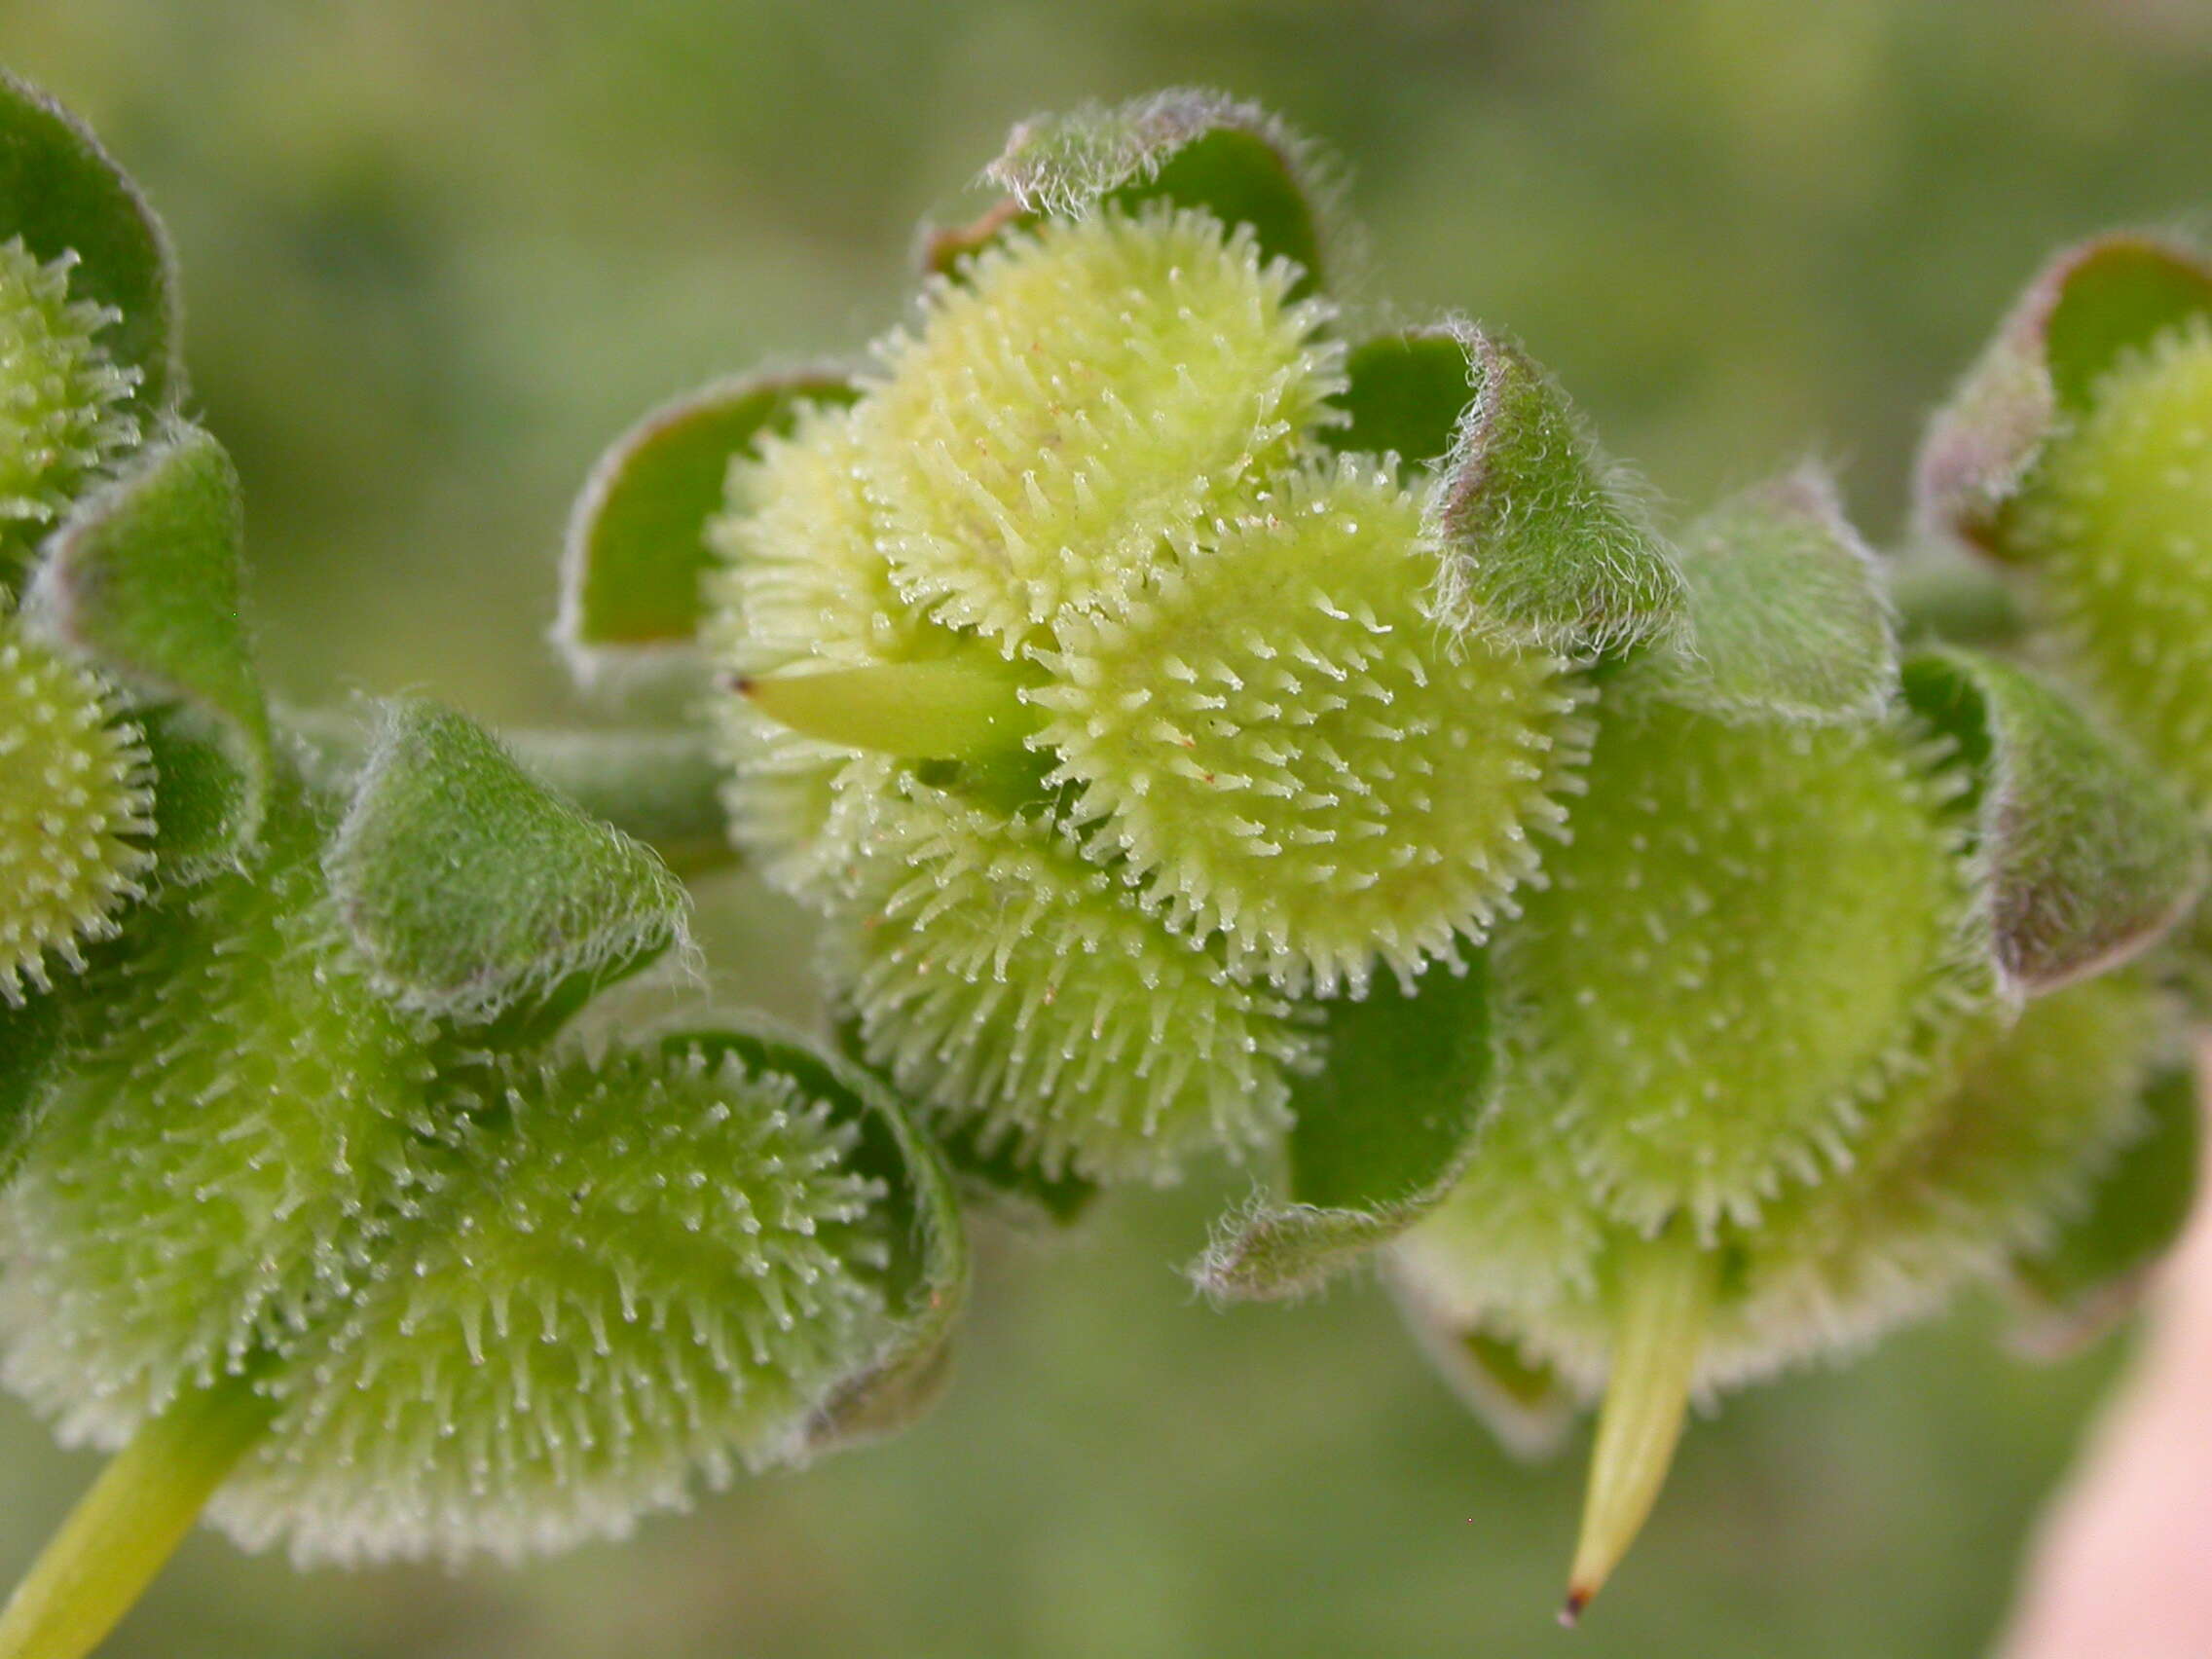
[207, 1168]
[620, 1277]
[1240, 759]
[64, 406]
[2116, 524]
[998, 976]
[76, 810]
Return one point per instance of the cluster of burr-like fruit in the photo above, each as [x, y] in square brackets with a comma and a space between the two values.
[1199, 726]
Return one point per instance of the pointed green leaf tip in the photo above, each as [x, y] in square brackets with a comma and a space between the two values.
[2087, 855]
[472, 892]
[142, 580]
[75, 811]
[1191, 148]
[636, 541]
[61, 195]
[1382, 1128]
[1786, 614]
[1662, 1303]
[1542, 533]
[1986, 1147]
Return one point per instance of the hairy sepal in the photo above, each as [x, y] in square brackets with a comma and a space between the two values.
[61, 193]
[1381, 1129]
[2086, 856]
[142, 580]
[476, 894]
[1786, 614]
[1186, 146]
[2089, 308]
[636, 552]
[1543, 534]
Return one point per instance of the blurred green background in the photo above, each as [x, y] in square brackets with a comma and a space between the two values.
[438, 250]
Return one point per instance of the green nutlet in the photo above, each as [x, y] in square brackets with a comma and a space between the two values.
[997, 974]
[76, 810]
[624, 1275]
[64, 406]
[2116, 521]
[233, 1107]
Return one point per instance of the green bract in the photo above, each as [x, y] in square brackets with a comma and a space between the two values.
[1195, 728]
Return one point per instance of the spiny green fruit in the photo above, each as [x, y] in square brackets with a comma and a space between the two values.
[1073, 577]
[807, 583]
[233, 1103]
[1268, 731]
[2116, 522]
[75, 809]
[62, 401]
[1082, 393]
[1968, 1158]
[998, 976]
[1790, 898]
[623, 1276]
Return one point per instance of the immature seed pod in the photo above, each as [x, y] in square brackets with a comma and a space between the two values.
[1965, 1159]
[62, 401]
[623, 1274]
[806, 585]
[1795, 893]
[2117, 523]
[76, 810]
[1272, 732]
[998, 976]
[1085, 391]
[233, 1103]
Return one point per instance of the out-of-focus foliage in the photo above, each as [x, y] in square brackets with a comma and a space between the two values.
[440, 250]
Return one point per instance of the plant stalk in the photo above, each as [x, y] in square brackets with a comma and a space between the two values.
[126, 1527]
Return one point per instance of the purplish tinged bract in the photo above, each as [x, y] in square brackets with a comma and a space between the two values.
[76, 807]
[625, 1276]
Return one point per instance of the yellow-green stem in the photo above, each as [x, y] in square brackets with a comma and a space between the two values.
[1664, 1297]
[949, 709]
[121, 1531]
